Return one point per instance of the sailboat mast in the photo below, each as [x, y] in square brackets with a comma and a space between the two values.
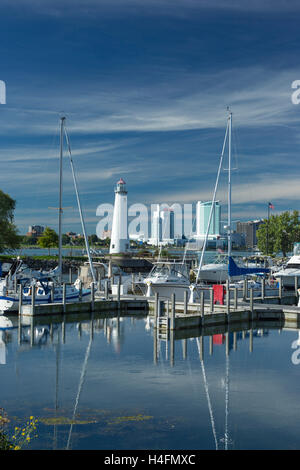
[60, 209]
[80, 211]
[229, 185]
[212, 205]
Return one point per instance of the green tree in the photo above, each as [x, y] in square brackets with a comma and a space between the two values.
[279, 234]
[29, 240]
[49, 239]
[9, 238]
[93, 239]
[65, 239]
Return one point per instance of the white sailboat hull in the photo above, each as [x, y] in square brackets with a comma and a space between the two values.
[10, 302]
[216, 273]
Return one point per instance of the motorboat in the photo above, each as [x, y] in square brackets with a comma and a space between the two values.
[166, 278]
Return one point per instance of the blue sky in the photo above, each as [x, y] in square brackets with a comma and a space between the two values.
[145, 86]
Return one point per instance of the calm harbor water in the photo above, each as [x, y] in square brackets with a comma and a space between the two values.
[110, 383]
[209, 256]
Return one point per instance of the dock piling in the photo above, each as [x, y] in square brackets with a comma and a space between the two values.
[227, 297]
[173, 310]
[80, 291]
[251, 302]
[235, 297]
[244, 290]
[211, 299]
[202, 307]
[280, 289]
[20, 299]
[156, 309]
[32, 300]
[92, 296]
[64, 296]
[185, 307]
[119, 291]
[31, 331]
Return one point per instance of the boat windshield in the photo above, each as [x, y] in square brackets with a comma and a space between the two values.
[169, 269]
[223, 259]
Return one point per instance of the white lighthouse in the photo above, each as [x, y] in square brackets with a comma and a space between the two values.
[119, 233]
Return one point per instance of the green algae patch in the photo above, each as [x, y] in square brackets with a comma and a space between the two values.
[61, 421]
[126, 419]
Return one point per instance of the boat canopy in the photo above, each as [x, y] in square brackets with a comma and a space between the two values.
[235, 270]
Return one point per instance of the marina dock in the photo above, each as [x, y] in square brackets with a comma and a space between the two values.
[170, 314]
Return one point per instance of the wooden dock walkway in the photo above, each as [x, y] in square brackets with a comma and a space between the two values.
[171, 314]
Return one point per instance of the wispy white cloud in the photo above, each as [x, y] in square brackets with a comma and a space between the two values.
[262, 188]
[258, 96]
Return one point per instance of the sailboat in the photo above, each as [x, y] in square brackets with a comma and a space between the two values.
[165, 282]
[226, 268]
[48, 285]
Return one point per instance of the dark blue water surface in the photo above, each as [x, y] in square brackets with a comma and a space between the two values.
[110, 383]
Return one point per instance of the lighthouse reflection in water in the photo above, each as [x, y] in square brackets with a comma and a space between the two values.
[113, 382]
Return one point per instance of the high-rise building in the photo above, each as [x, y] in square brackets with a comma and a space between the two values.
[202, 218]
[119, 233]
[156, 227]
[35, 231]
[168, 221]
[249, 230]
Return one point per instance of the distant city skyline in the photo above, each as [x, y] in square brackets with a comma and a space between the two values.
[144, 87]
